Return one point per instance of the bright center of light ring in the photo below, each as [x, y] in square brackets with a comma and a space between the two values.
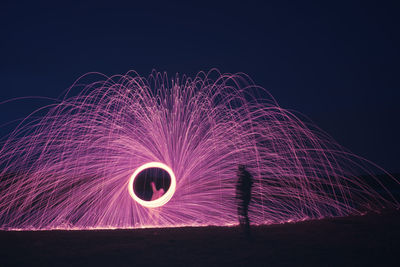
[159, 201]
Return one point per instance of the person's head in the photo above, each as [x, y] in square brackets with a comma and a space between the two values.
[241, 167]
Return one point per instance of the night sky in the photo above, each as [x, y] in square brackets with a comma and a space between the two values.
[337, 62]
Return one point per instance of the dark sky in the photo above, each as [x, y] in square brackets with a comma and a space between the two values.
[336, 62]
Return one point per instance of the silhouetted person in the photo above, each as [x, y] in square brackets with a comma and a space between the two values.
[243, 196]
[155, 212]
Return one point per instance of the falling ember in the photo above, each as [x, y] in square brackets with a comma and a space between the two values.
[84, 164]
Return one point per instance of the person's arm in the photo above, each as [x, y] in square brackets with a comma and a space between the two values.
[153, 187]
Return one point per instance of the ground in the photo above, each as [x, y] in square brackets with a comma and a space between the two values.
[369, 240]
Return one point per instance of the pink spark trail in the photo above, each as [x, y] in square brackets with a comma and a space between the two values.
[74, 168]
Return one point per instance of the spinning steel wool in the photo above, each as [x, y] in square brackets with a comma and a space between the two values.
[77, 166]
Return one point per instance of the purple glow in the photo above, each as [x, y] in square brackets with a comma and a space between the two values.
[74, 167]
[158, 201]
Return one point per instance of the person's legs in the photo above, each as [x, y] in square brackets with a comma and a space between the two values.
[242, 214]
[246, 222]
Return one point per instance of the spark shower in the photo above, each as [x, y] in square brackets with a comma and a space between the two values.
[75, 166]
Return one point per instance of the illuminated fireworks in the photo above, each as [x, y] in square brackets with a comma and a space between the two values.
[80, 165]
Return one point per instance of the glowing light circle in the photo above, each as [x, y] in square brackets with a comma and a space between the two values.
[164, 198]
